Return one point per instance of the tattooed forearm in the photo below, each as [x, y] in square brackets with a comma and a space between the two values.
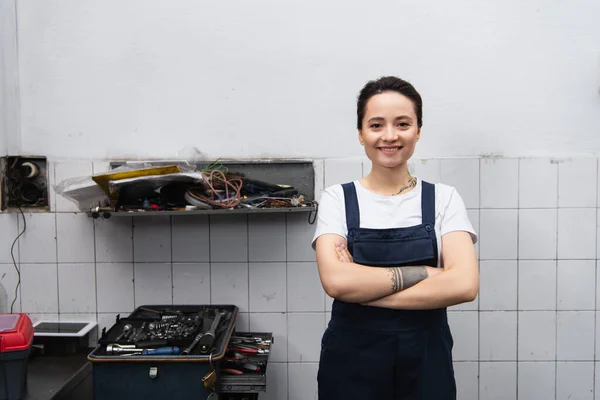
[405, 277]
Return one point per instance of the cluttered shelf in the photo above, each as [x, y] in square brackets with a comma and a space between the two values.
[184, 188]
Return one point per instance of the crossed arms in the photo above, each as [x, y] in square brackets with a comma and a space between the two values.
[410, 288]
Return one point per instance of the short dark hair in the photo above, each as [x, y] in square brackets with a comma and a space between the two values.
[388, 84]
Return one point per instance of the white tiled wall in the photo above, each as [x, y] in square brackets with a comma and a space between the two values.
[532, 333]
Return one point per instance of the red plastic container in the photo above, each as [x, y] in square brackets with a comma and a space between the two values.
[16, 336]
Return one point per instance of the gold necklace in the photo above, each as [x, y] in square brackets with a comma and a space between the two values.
[412, 182]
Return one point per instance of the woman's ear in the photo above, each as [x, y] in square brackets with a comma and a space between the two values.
[360, 138]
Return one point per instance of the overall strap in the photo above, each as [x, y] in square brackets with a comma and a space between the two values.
[351, 202]
[428, 203]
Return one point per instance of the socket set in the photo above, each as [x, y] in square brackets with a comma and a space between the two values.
[169, 330]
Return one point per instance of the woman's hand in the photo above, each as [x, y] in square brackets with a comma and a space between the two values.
[343, 253]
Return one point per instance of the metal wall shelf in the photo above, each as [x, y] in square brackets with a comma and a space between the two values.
[110, 214]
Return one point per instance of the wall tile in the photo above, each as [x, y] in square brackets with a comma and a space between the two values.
[538, 183]
[474, 218]
[152, 284]
[498, 380]
[266, 237]
[537, 234]
[39, 288]
[75, 238]
[571, 175]
[190, 238]
[242, 323]
[304, 336]
[77, 288]
[464, 326]
[576, 284]
[8, 233]
[537, 335]
[268, 287]
[67, 170]
[114, 240]
[51, 177]
[152, 239]
[575, 344]
[107, 320]
[498, 285]
[429, 170]
[597, 334]
[9, 279]
[463, 174]
[228, 238]
[299, 238]
[342, 170]
[115, 287]
[367, 164]
[577, 233]
[37, 317]
[277, 379]
[328, 302]
[575, 380]
[229, 284]
[191, 283]
[38, 243]
[302, 381]
[498, 236]
[466, 375]
[319, 168]
[498, 336]
[537, 380]
[99, 167]
[305, 292]
[499, 183]
[537, 285]
[276, 323]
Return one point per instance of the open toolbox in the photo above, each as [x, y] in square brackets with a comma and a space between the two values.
[244, 367]
[163, 351]
[184, 330]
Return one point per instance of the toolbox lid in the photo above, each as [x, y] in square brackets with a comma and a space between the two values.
[16, 332]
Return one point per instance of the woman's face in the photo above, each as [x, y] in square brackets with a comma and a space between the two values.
[389, 129]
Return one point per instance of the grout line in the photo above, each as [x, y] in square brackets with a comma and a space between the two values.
[172, 269]
[248, 268]
[95, 266]
[556, 285]
[133, 257]
[208, 219]
[594, 388]
[287, 322]
[57, 269]
[479, 303]
[518, 274]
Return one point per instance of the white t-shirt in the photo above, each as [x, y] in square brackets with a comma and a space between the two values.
[382, 212]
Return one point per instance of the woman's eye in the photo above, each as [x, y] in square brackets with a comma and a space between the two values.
[376, 126]
[403, 124]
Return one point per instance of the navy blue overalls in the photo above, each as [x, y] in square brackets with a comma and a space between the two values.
[384, 354]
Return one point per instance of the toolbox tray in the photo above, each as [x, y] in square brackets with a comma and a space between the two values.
[248, 382]
[145, 315]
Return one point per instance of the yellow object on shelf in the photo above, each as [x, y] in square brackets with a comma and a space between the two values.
[103, 179]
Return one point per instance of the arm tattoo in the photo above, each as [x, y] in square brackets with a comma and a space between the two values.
[405, 277]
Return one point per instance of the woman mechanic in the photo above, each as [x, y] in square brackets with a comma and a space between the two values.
[394, 252]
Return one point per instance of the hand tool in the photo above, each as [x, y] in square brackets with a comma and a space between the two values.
[189, 349]
[249, 350]
[125, 331]
[118, 349]
[208, 339]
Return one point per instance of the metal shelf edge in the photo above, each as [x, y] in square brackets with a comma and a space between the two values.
[207, 212]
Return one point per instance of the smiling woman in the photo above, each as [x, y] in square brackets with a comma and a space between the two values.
[394, 252]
